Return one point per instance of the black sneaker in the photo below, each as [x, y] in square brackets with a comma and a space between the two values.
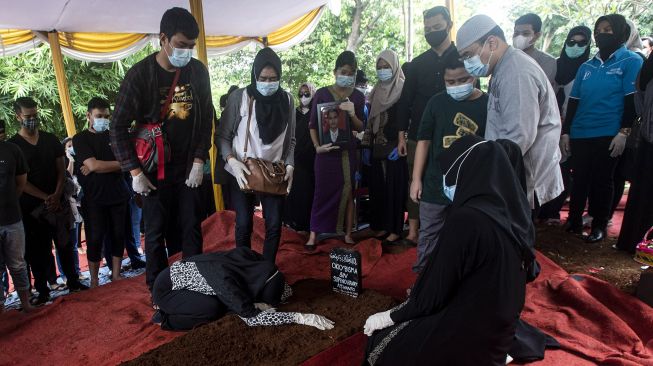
[157, 318]
[40, 300]
[77, 287]
[138, 264]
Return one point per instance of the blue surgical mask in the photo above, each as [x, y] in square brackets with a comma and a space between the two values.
[575, 51]
[180, 56]
[460, 92]
[450, 191]
[345, 81]
[476, 67]
[267, 88]
[101, 124]
[384, 74]
[30, 123]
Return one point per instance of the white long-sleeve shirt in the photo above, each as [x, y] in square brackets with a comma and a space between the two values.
[522, 108]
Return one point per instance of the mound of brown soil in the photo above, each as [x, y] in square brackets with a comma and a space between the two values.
[229, 341]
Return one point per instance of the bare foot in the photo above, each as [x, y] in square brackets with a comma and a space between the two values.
[393, 237]
[349, 240]
[117, 278]
[95, 283]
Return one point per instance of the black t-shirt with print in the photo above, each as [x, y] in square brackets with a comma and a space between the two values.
[12, 164]
[178, 124]
[41, 160]
[98, 188]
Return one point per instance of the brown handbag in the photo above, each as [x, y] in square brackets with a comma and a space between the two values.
[267, 177]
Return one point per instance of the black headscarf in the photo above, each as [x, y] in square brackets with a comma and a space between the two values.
[568, 67]
[620, 30]
[271, 111]
[487, 182]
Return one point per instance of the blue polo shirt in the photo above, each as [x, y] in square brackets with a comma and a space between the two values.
[600, 88]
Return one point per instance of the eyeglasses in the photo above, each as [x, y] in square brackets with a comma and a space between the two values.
[306, 95]
[573, 42]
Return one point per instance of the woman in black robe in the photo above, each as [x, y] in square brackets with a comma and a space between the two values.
[638, 216]
[465, 305]
[205, 287]
[297, 211]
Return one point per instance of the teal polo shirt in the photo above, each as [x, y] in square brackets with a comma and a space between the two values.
[600, 88]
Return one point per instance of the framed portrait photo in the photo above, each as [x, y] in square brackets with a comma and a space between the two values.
[334, 124]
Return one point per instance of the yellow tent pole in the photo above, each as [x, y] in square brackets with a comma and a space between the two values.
[198, 13]
[62, 83]
[450, 4]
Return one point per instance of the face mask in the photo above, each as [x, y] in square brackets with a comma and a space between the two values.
[606, 41]
[101, 124]
[30, 124]
[476, 67]
[521, 42]
[180, 56]
[450, 191]
[267, 88]
[306, 100]
[70, 150]
[362, 90]
[345, 81]
[460, 92]
[575, 51]
[384, 74]
[435, 38]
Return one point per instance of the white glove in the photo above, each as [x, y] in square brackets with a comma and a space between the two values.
[360, 135]
[377, 321]
[314, 320]
[195, 176]
[326, 148]
[618, 145]
[565, 147]
[289, 175]
[240, 169]
[142, 185]
[347, 106]
[265, 307]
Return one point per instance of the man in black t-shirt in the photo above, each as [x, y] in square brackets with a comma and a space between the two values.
[424, 79]
[105, 189]
[46, 213]
[13, 177]
[172, 207]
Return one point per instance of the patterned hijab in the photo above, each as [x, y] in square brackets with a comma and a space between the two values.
[385, 93]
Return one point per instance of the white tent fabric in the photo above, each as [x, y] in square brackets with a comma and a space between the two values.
[250, 18]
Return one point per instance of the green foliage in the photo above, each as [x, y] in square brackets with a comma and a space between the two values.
[32, 74]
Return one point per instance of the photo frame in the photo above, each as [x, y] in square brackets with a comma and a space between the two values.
[334, 125]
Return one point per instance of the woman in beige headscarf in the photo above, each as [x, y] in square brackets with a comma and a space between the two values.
[389, 173]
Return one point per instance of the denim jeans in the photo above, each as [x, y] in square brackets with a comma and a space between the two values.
[12, 253]
[74, 234]
[272, 210]
[136, 214]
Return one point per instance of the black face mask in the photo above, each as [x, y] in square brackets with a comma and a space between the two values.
[436, 38]
[607, 44]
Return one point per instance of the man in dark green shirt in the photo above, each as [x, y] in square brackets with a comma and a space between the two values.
[460, 111]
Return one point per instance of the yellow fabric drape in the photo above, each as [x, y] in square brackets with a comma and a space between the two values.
[289, 31]
[10, 37]
[99, 42]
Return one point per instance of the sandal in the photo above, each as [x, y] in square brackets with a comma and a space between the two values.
[309, 247]
[58, 287]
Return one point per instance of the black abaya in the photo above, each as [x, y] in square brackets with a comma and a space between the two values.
[297, 210]
[465, 305]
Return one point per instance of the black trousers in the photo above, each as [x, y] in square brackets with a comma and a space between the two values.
[388, 187]
[551, 209]
[272, 210]
[39, 236]
[105, 221]
[173, 216]
[184, 309]
[593, 174]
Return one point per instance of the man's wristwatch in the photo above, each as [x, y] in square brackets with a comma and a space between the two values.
[625, 131]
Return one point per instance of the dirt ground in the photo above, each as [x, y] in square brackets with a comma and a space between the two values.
[598, 260]
[229, 341]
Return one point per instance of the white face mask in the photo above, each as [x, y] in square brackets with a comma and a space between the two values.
[522, 42]
[450, 191]
[180, 57]
[306, 101]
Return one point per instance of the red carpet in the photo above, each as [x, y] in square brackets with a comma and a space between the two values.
[594, 322]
